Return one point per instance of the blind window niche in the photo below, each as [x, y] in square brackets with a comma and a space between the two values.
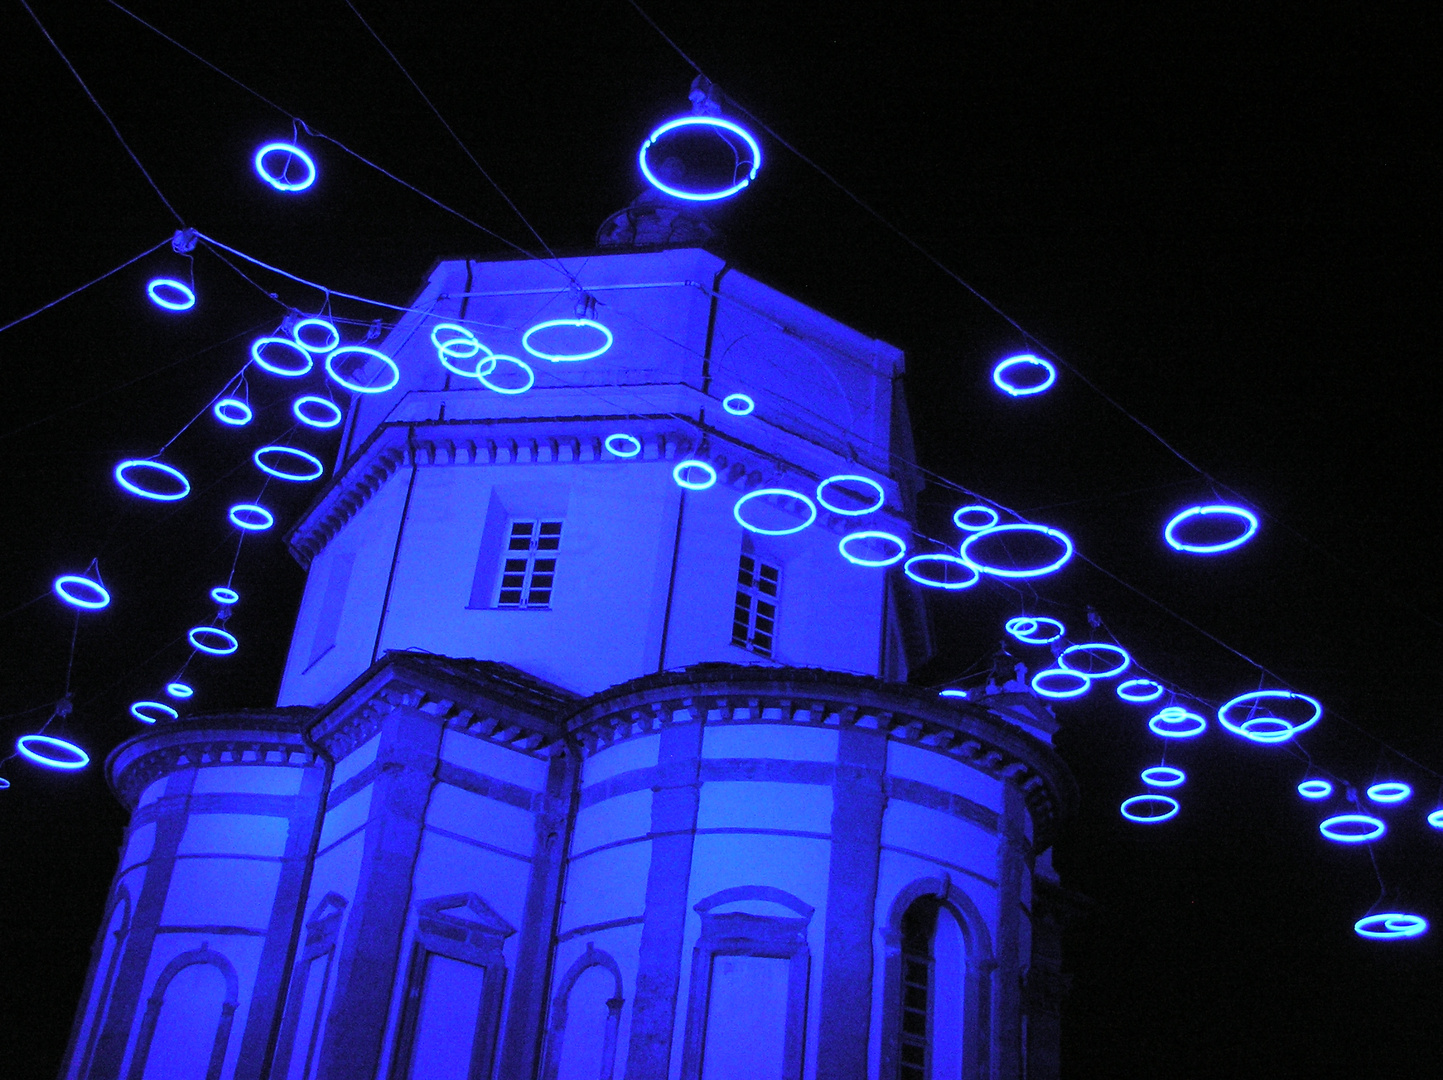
[301, 1023]
[758, 594]
[333, 603]
[520, 547]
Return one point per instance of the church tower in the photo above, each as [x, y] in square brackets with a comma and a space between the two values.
[594, 755]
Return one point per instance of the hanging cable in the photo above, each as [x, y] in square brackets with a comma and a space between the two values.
[81, 289]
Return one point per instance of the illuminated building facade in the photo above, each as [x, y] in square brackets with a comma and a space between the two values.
[584, 767]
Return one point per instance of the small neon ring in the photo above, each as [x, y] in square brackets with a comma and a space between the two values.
[1248, 518]
[330, 416]
[221, 595]
[1260, 729]
[1169, 805]
[1083, 683]
[1390, 792]
[280, 183]
[180, 690]
[1037, 571]
[739, 404]
[199, 638]
[622, 445]
[1163, 776]
[4, 784]
[684, 467]
[952, 693]
[910, 569]
[1025, 627]
[1023, 360]
[509, 391]
[1391, 926]
[840, 478]
[872, 534]
[315, 470]
[232, 412]
[701, 121]
[258, 354]
[99, 597]
[1330, 828]
[333, 336]
[563, 358]
[1436, 819]
[78, 758]
[357, 388]
[1139, 690]
[1175, 722]
[1315, 789]
[178, 296]
[140, 465]
[783, 492]
[986, 511]
[148, 712]
[461, 347]
[1125, 660]
[251, 517]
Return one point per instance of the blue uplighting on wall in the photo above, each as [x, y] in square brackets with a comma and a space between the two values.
[1006, 373]
[1315, 790]
[975, 518]
[126, 478]
[251, 517]
[305, 334]
[563, 358]
[263, 351]
[267, 459]
[622, 445]
[1391, 926]
[1121, 660]
[1269, 728]
[1035, 629]
[232, 412]
[1139, 690]
[780, 493]
[1247, 518]
[179, 690]
[1013, 572]
[222, 595]
[1175, 722]
[684, 474]
[149, 712]
[1163, 776]
[213, 640]
[393, 372]
[81, 592]
[1352, 828]
[51, 752]
[701, 121]
[913, 568]
[1390, 792]
[875, 535]
[1060, 683]
[739, 404]
[170, 294]
[876, 500]
[521, 365]
[266, 163]
[1150, 809]
[317, 412]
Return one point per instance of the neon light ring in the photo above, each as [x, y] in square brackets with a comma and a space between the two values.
[1268, 729]
[1011, 572]
[1435, 819]
[1175, 722]
[1391, 926]
[142, 466]
[499, 358]
[232, 412]
[314, 469]
[328, 328]
[564, 358]
[282, 181]
[761, 493]
[221, 595]
[1247, 517]
[952, 693]
[872, 534]
[4, 783]
[844, 478]
[1081, 683]
[148, 712]
[701, 121]
[76, 758]
[1314, 790]
[1168, 808]
[362, 351]
[81, 592]
[739, 404]
[910, 568]
[623, 445]
[1164, 776]
[1025, 629]
[251, 517]
[1139, 690]
[682, 474]
[990, 516]
[170, 294]
[304, 361]
[463, 346]
[180, 690]
[304, 408]
[1028, 361]
[1352, 828]
[213, 640]
[1123, 662]
[1389, 792]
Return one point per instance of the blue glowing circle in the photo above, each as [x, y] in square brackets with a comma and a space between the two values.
[1139, 690]
[1008, 572]
[76, 758]
[251, 517]
[221, 595]
[374, 354]
[213, 640]
[460, 344]
[989, 517]
[701, 121]
[1247, 517]
[148, 712]
[1167, 808]
[1081, 683]
[623, 445]
[81, 592]
[1268, 729]
[1352, 828]
[563, 358]
[1175, 722]
[1023, 360]
[4, 784]
[1163, 776]
[848, 478]
[873, 534]
[682, 474]
[946, 562]
[304, 408]
[1436, 819]
[170, 294]
[1035, 629]
[304, 361]
[521, 365]
[1391, 926]
[952, 693]
[739, 404]
[280, 181]
[142, 466]
[325, 326]
[1390, 792]
[781, 493]
[1122, 663]
[314, 469]
[1315, 789]
[180, 690]
[232, 412]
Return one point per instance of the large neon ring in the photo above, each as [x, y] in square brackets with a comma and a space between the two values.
[170, 294]
[462, 346]
[910, 569]
[991, 516]
[1175, 722]
[1341, 828]
[122, 478]
[280, 183]
[179, 690]
[213, 640]
[1038, 571]
[681, 474]
[872, 534]
[1315, 789]
[1049, 375]
[1025, 628]
[761, 493]
[508, 390]
[251, 517]
[1163, 776]
[1268, 729]
[1124, 661]
[232, 412]
[148, 712]
[315, 470]
[1048, 675]
[622, 445]
[1248, 518]
[357, 388]
[304, 409]
[303, 364]
[1390, 792]
[1436, 819]
[77, 759]
[81, 592]
[222, 595]
[1391, 926]
[561, 358]
[739, 404]
[1169, 808]
[1139, 690]
[332, 339]
[700, 121]
[838, 479]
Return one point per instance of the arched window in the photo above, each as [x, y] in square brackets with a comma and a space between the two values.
[186, 1028]
[585, 1016]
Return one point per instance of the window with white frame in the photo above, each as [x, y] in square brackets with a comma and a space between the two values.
[754, 618]
[528, 564]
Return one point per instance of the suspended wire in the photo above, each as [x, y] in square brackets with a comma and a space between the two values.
[81, 289]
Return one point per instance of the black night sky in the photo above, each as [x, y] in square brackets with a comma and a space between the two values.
[1225, 217]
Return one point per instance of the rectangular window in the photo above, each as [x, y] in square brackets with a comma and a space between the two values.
[755, 617]
[528, 565]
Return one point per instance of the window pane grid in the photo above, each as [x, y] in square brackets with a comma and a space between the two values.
[755, 612]
[528, 573]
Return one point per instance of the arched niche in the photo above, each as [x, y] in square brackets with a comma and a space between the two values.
[184, 1019]
[558, 1050]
